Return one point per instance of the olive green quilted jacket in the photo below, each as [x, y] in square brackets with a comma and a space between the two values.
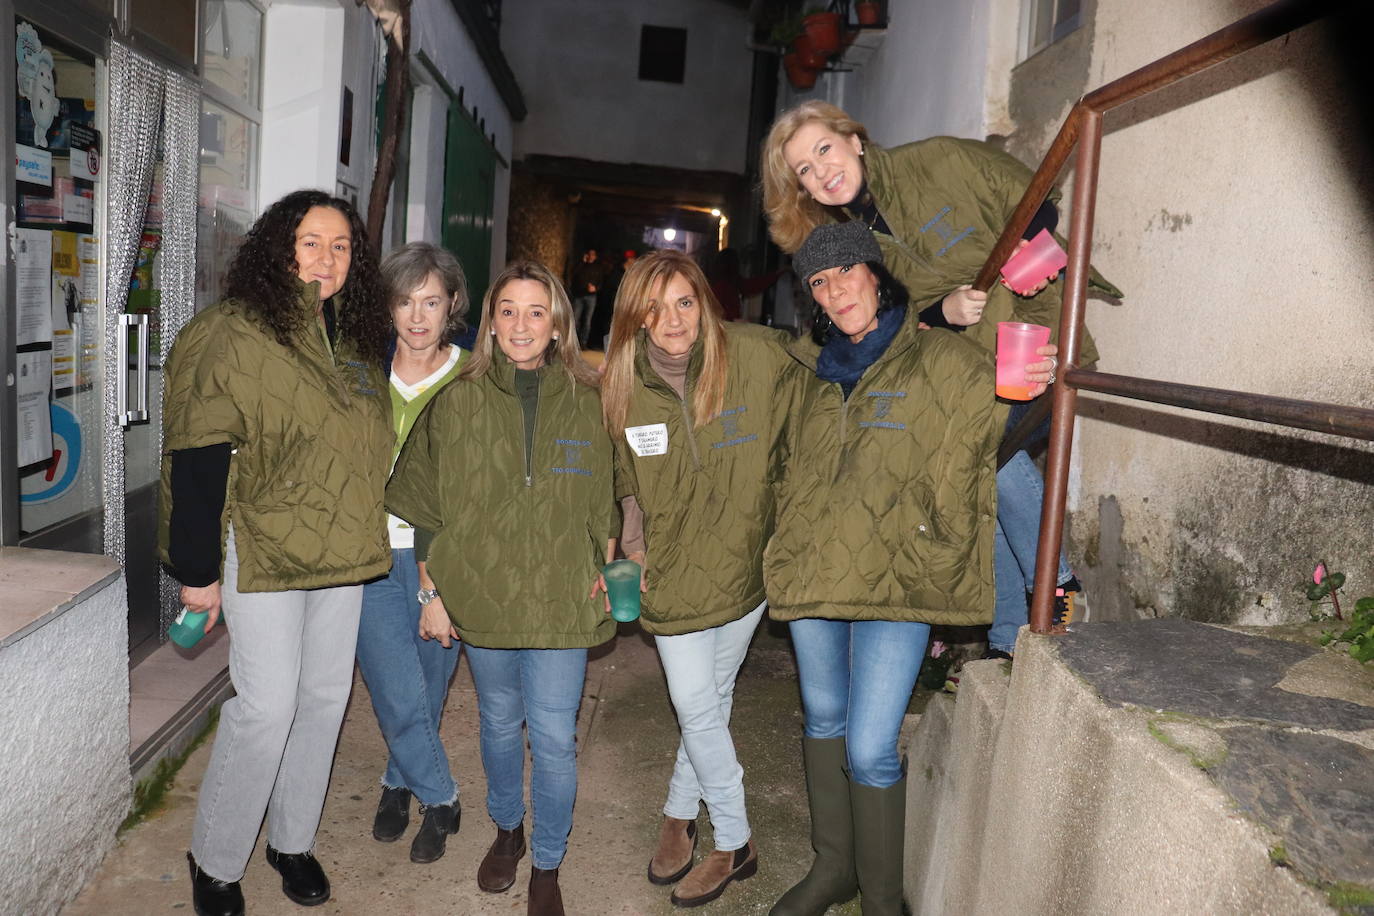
[946, 201]
[888, 500]
[708, 500]
[312, 437]
[517, 541]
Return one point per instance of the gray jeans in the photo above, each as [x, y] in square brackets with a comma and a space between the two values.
[291, 663]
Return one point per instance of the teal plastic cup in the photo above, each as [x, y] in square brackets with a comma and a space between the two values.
[189, 628]
[622, 585]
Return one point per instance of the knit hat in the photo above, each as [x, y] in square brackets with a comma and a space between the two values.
[835, 245]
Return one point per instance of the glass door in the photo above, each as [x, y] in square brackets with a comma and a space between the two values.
[59, 292]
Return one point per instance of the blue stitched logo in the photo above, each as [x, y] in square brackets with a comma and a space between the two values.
[883, 402]
[946, 231]
[729, 428]
[572, 457]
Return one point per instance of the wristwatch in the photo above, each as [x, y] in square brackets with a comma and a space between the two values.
[426, 595]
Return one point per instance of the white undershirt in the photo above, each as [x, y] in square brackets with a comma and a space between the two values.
[401, 532]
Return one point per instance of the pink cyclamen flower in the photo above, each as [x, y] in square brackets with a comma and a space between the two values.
[1319, 573]
[937, 648]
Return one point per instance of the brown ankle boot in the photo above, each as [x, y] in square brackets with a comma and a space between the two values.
[497, 871]
[677, 841]
[714, 873]
[545, 897]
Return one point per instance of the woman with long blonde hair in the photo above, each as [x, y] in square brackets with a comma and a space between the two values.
[687, 400]
[505, 476]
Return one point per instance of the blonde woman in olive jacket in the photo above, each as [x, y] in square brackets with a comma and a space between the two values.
[508, 473]
[688, 400]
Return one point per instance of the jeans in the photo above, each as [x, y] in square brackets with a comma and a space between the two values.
[583, 308]
[408, 679]
[540, 688]
[856, 680]
[1020, 493]
[291, 663]
[701, 669]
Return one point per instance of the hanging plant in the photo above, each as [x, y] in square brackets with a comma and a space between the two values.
[806, 52]
[798, 74]
[823, 30]
[868, 12]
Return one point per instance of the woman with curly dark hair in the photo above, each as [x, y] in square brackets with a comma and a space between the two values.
[277, 447]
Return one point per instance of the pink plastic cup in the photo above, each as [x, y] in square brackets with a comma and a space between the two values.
[1016, 346]
[1038, 261]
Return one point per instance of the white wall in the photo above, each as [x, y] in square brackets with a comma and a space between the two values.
[931, 75]
[578, 64]
[302, 92]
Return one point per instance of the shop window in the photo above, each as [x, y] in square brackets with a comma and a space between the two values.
[662, 54]
[230, 122]
[1043, 22]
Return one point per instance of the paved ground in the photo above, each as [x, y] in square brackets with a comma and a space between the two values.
[628, 737]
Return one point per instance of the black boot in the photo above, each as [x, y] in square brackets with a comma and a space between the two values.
[393, 815]
[302, 876]
[211, 896]
[439, 821]
[831, 879]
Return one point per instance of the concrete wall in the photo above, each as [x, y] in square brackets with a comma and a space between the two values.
[1234, 212]
[64, 715]
[1031, 795]
[578, 64]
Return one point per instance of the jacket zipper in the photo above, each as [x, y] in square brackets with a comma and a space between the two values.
[898, 241]
[529, 440]
[691, 434]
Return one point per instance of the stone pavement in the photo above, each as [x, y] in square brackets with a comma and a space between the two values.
[627, 738]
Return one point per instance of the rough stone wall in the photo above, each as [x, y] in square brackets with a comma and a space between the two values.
[64, 712]
[1234, 210]
[540, 222]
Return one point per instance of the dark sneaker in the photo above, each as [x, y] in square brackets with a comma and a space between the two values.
[211, 896]
[438, 822]
[1063, 612]
[302, 876]
[996, 653]
[393, 815]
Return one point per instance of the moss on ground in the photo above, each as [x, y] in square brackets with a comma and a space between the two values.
[151, 793]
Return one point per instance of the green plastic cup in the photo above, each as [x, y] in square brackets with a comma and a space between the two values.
[622, 585]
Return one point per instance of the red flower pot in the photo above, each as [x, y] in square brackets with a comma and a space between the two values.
[824, 31]
[869, 12]
[806, 52]
[798, 74]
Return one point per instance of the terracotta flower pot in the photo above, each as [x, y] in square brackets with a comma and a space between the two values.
[824, 31]
[806, 52]
[869, 12]
[798, 74]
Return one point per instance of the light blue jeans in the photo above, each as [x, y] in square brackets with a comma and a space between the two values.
[408, 679]
[541, 689]
[856, 680]
[1020, 493]
[701, 669]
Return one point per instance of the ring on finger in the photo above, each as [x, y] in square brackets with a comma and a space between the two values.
[1051, 379]
[1054, 363]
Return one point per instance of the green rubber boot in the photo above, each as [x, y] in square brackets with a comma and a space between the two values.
[879, 832]
[832, 878]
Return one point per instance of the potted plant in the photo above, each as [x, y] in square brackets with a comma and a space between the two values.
[869, 12]
[798, 74]
[823, 29]
[807, 53]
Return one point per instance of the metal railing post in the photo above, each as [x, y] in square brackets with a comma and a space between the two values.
[1065, 395]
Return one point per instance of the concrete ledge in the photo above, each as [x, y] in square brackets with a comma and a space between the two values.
[1033, 795]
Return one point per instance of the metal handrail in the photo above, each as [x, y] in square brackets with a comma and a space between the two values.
[1081, 134]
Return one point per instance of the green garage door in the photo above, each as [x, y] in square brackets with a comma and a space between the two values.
[469, 179]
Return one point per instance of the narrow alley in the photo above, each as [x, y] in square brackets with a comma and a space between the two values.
[626, 739]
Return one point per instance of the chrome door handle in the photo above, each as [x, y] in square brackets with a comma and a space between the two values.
[140, 413]
[122, 368]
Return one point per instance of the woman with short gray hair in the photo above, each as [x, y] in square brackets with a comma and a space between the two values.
[407, 648]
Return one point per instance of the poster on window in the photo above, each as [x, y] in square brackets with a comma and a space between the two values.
[33, 285]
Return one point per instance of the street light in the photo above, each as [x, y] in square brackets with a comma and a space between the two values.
[669, 234]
